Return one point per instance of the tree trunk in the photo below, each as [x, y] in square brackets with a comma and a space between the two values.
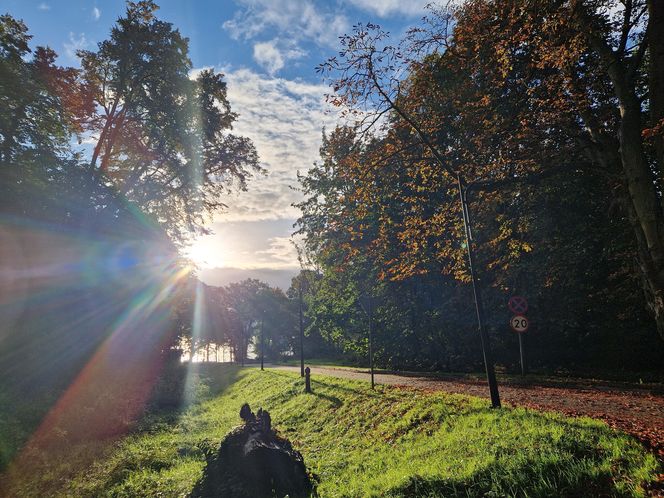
[643, 196]
[644, 202]
[102, 135]
[656, 74]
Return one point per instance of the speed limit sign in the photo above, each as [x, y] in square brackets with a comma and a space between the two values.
[519, 323]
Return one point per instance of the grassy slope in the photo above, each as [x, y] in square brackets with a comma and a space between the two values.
[386, 443]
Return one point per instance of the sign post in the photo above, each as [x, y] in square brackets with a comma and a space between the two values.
[519, 323]
[367, 304]
[299, 293]
[523, 362]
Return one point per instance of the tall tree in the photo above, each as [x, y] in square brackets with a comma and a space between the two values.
[532, 88]
[162, 134]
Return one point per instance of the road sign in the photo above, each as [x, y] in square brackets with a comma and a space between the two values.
[519, 323]
[518, 305]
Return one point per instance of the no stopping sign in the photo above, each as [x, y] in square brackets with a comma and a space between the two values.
[518, 305]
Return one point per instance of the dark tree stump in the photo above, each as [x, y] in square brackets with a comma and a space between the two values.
[252, 462]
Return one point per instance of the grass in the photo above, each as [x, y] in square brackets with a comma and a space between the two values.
[321, 362]
[390, 442]
[650, 381]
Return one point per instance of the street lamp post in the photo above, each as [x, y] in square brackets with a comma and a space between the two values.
[371, 362]
[262, 339]
[301, 328]
[484, 336]
[367, 307]
[244, 345]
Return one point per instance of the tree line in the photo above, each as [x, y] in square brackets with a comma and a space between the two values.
[549, 113]
[249, 319]
[106, 170]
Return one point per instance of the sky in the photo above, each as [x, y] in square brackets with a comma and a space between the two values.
[268, 51]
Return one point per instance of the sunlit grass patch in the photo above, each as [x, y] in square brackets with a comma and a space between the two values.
[390, 442]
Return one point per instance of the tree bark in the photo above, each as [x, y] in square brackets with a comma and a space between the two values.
[656, 74]
[102, 136]
[644, 202]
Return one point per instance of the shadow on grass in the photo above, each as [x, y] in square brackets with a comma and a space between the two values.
[174, 392]
[540, 462]
[341, 384]
[333, 400]
[185, 386]
[532, 479]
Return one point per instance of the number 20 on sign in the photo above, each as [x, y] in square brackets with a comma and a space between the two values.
[519, 323]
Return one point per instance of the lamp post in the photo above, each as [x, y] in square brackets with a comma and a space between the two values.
[368, 309]
[301, 327]
[371, 362]
[479, 308]
[262, 339]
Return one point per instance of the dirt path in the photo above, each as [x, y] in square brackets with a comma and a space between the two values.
[635, 411]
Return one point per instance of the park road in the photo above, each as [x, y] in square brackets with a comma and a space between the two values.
[630, 408]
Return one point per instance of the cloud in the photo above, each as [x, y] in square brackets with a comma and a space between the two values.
[75, 44]
[268, 56]
[284, 118]
[225, 276]
[296, 20]
[280, 253]
[272, 55]
[247, 245]
[44, 6]
[389, 8]
[96, 13]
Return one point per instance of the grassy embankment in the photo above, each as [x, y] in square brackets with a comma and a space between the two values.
[390, 442]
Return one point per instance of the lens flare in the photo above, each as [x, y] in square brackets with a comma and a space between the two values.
[98, 301]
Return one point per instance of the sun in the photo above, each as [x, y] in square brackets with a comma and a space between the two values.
[205, 253]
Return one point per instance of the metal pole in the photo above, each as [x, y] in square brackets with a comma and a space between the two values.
[262, 340]
[301, 330]
[523, 361]
[484, 337]
[371, 362]
[244, 346]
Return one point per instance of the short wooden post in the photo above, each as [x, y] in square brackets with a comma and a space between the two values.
[307, 380]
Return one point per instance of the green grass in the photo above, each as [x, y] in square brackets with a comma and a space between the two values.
[320, 362]
[390, 442]
[649, 380]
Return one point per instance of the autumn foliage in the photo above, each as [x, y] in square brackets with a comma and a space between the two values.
[543, 111]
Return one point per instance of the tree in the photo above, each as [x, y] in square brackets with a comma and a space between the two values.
[533, 84]
[39, 105]
[38, 100]
[484, 101]
[276, 329]
[621, 45]
[162, 135]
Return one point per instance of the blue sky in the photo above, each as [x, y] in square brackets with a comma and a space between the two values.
[268, 51]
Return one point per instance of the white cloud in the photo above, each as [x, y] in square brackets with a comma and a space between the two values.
[224, 276]
[272, 55]
[96, 13]
[284, 118]
[75, 43]
[281, 253]
[246, 245]
[294, 19]
[44, 6]
[388, 8]
[268, 56]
